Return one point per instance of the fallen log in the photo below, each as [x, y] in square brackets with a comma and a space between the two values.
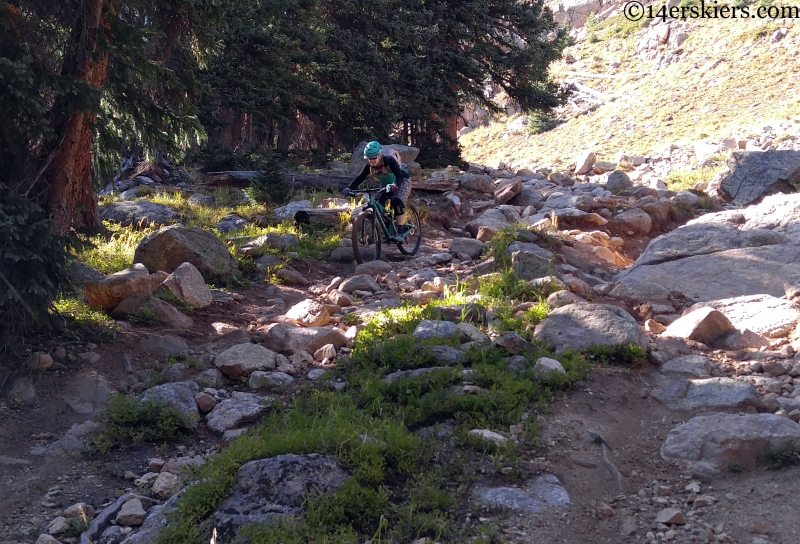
[329, 216]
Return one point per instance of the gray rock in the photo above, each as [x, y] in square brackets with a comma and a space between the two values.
[188, 285]
[361, 282]
[755, 174]
[695, 239]
[473, 248]
[170, 247]
[546, 365]
[288, 211]
[199, 199]
[269, 380]
[242, 360]
[515, 344]
[528, 247]
[705, 325]
[688, 366]
[72, 441]
[429, 328]
[490, 222]
[158, 518]
[719, 394]
[529, 266]
[131, 514]
[139, 213]
[210, 378]
[241, 408]
[635, 220]
[763, 314]
[538, 494]
[165, 346]
[447, 355]
[373, 268]
[22, 391]
[616, 181]
[402, 374]
[231, 222]
[711, 444]
[529, 196]
[165, 312]
[581, 325]
[178, 395]
[89, 393]
[268, 489]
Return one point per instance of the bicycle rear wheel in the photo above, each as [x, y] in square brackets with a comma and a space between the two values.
[411, 242]
[366, 237]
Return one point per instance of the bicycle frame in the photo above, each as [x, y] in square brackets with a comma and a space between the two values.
[380, 213]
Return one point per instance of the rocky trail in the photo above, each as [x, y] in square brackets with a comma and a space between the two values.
[708, 288]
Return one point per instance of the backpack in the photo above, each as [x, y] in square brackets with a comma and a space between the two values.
[395, 154]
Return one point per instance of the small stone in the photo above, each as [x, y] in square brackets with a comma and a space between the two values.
[40, 361]
[165, 485]
[131, 514]
[489, 436]
[57, 526]
[205, 402]
[671, 516]
[45, 539]
[129, 475]
[605, 510]
[79, 510]
[155, 464]
[761, 528]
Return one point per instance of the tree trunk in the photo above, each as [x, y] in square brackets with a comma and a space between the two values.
[73, 200]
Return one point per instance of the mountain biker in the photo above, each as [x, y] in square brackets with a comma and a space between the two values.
[395, 179]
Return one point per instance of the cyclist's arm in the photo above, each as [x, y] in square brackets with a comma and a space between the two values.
[360, 178]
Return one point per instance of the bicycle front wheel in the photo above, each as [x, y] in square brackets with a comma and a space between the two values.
[411, 242]
[366, 238]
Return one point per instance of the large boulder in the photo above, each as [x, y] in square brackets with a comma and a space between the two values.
[139, 213]
[706, 394]
[758, 173]
[582, 325]
[108, 292]
[733, 253]
[267, 490]
[170, 247]
[712, 444]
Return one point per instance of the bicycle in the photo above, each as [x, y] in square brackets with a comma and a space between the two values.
[376, 223]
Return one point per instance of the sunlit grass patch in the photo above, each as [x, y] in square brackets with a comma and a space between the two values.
[114, 251]
[83, 323]
[679, 180]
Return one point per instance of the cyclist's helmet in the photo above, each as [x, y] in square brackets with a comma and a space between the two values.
[372, 150]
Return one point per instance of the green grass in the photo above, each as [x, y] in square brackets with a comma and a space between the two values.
[403, 487]
[113, 251]
[679, 180]
[83, 323]
[784, 456]
[127, 421]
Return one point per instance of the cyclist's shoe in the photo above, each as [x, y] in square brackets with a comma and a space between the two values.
[402, 232]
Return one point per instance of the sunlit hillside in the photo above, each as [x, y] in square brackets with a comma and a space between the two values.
[725, 79]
